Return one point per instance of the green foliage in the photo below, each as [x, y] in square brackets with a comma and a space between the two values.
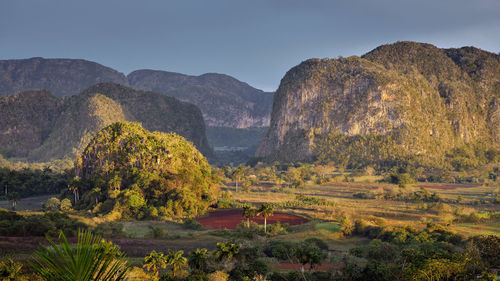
[192, 224]
[31, 182]
[198, 259]
[13, 224]
[93, 259]
[53, 204]
[226, 251]
[11, 270]
[136, 170]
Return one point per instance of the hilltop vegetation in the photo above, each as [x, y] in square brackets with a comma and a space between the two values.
[126, 171]
[41, 127]
[404, 103]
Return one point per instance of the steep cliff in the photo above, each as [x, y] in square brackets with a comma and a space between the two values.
[42, 127]
[62, 77]
[223, 100]
[401, 102]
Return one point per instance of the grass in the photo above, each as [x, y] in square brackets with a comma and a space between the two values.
[34, 203]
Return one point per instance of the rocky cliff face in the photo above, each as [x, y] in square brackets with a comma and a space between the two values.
[62, 77]
[223, 100]
[398, 101]
[42, 127]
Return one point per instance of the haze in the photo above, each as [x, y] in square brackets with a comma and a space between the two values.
[255, 41]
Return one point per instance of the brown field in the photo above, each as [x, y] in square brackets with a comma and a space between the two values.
[229, 219]
[447, 186]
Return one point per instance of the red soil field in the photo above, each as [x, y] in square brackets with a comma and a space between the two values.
[229, 219]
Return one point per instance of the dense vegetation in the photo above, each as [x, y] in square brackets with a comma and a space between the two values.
[31, 182]
[126, 171]
[50, 223]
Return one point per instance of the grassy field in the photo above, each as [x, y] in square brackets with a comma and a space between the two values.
[138, 237]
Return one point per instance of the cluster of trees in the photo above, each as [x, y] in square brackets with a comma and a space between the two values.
[128, 172]
[405, 253]
[31, 182]
[50, 223]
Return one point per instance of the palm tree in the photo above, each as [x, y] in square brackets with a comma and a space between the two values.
[226, 251]
[177, 261]
[92, 259]
[237, 174]
[198, 259]
[248, 213]
[266, 210]
[13, 198]
[154, 261]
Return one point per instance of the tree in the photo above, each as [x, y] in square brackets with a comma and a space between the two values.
[13, 198]
[74, 187]
[10, 270]
[198, 259]
[248, 213]
[238, 173]
[154, 261]
[308, 254]
[177, 261]
[65, 204]
[226, 251]
[53, 204]
[92, 259]
[266, 210]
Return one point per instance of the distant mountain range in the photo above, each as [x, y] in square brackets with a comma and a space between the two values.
[400, 103]
[38, 126]
[223, 100]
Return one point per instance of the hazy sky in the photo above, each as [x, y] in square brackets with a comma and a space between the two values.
[256, 41]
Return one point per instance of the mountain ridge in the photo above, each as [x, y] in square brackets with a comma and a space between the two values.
[399, 101]
[76, 119]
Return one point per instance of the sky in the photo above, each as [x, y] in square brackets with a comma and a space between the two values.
[255, 41]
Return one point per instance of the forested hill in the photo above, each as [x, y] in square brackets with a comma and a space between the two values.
[223, 100]
[38, 126]
[403, 102]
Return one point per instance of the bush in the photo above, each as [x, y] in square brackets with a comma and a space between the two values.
[192, 224]
[157, 232]
[66, 205]
[110, 229]
[52, 204]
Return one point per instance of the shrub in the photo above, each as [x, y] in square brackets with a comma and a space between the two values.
[192, 224]
[66, 204]
[52, 204]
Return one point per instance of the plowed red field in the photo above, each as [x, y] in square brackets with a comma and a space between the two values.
[229, 219]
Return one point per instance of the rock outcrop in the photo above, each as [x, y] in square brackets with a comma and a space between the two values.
[398, 102]
[61, 77]
[223, 100]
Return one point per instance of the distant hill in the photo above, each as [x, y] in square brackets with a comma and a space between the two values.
[62, 77]
[400, 103]
[41, 127]
[223, 100]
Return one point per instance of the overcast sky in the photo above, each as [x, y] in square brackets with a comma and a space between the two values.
[256, 41]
